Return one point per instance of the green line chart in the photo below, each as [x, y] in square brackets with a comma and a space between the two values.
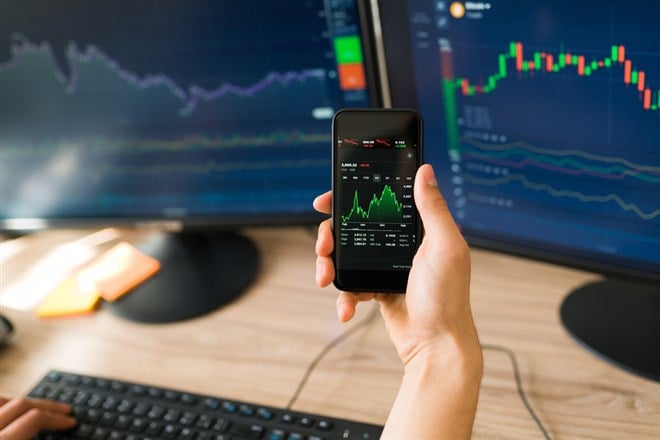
[385, 208]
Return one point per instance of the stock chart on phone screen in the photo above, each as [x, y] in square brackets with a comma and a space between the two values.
[172, 108]
[374, 191]
[546, 118]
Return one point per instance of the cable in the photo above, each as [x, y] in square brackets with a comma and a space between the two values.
[521, 392]
[332, 344]
[368, 319]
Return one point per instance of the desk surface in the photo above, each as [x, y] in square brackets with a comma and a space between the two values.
[258, 348]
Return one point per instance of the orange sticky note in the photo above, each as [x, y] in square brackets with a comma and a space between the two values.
[119, 270]
[70, 297]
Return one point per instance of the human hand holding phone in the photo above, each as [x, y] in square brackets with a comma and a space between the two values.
[431, 326]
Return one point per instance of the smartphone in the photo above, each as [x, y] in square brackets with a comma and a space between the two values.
[376, 227]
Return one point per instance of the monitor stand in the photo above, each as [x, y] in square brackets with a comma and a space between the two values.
[619, 321]
[200, 272]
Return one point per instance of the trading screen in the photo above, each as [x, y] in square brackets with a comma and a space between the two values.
[172, 109]
[544, 117]
[374, 175]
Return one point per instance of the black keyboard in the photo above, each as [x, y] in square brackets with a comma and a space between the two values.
[118, 410]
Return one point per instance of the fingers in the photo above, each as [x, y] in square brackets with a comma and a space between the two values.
[51, 405]
[347, 303]
[323, 203]
[431, 204]
[325, 271]
[24, 418]
[35, 420]
[324, 241]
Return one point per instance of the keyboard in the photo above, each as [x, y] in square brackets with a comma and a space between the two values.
[118, 410]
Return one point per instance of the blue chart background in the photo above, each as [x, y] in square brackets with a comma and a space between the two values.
[560, 163]
[100, 117]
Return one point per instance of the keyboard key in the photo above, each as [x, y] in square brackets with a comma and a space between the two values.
[141, 409]
[248, 431]
[228, 407]
[212, 404]
[95, 400]
[171, 395]
[222, 425]
[264, 414]
[123, 422]
[306, 422]
[186, 433]
[138, 390]
[102, 384]
[125, 406]
[188, 399]
[99, 434]
[116, 435]
[172, 415]
[277, 434]
[188, 418]
[156, 412]
[246, 410]
[155, 393]
[92, 415]
[84, 430]
[170, 431]
[110, 403]
[154, 428]
[205, 421]
[138, 425]
[53, 376]
[108, 419]
[72, 380]
[117, 387]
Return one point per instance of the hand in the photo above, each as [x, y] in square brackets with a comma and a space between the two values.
[22, 418]
[431, 325]
[436, 304]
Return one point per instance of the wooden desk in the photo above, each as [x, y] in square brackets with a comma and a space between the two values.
[258, 348]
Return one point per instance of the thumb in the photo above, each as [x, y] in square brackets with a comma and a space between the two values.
[432, 206]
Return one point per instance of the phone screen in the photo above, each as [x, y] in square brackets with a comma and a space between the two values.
[375, 222]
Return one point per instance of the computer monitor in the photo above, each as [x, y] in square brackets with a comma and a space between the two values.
[543, 121]
[203, 116]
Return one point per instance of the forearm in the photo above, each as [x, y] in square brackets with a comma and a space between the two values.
[438, 395]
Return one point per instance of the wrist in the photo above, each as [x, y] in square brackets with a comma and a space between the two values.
[439, 392]
[453, 355]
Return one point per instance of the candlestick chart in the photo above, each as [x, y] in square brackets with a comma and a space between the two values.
[549, 128]
[487, 152]
[549, 63]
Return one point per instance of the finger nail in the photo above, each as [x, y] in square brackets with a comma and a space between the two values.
[430, 177]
